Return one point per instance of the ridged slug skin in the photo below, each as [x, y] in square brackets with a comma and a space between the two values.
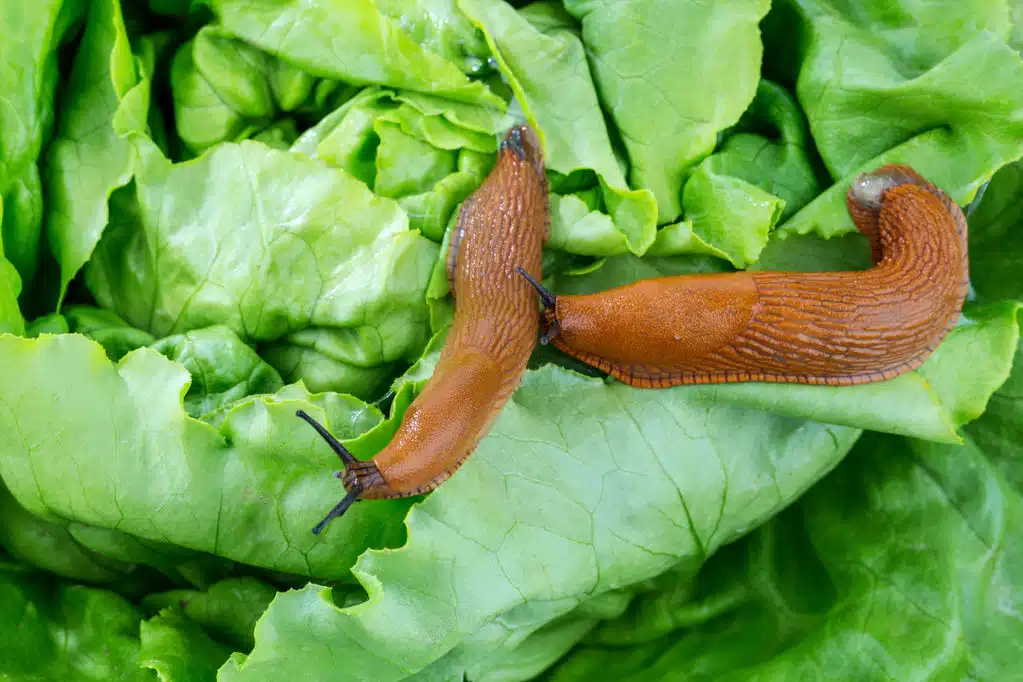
[835, 328]
[501, 227]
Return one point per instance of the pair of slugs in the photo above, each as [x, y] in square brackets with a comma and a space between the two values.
[834, 328]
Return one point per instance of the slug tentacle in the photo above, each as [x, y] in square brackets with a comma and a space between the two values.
[548, 299]
[549, 316]
[356, 476]
[342, 452]
[340, 508]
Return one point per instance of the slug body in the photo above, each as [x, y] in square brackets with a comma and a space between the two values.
[834, 328]
[501, 227]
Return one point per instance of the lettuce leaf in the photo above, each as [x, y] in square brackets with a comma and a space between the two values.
[996, 237]
[908, 555]
[258, 196]
[268, 262]
[873, 97]
[542, 56]
[90, 158]
[28, 79]
[60, 632]
[660, 70]
[353, 41]
[11, 320]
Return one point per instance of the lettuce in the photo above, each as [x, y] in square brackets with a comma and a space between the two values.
[216, 213]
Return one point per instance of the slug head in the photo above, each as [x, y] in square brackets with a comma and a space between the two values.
[549, 324]
[523, 141]
[868, 189]
[360, 478]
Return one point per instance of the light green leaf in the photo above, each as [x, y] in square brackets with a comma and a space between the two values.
[89, 158]
[117, 337]
[770, 147]
[28, 80]
[549, 488]
[902, 564]
[439, 26]
[427, 153]
[872, 96]
[249, 488]
[223, 368]
[727, 214]
[221, 90]
[351, 41]
[547, 69]
[671, 76]
[406, 165]
[267, 243]
[350, 361]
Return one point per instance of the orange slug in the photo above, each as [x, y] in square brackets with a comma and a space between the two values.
[501, 227]
[835, 328]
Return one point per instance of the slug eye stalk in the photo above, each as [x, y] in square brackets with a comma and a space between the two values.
[548, 299]
[548, 319]
[346, 457]
[353, 487]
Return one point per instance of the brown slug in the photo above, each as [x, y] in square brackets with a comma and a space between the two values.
[502, 226]
[835, 328]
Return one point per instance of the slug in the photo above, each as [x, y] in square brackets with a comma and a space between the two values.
[501, 226]
[833, 328]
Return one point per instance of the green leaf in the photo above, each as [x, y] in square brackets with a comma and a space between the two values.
[996, 237]
[178, 649]
[349, 361]
[548, 488]
[545, 64]
[249, 488]
[90, 158]
[28, 80]
[427, 153]
[11, 320]
[227, 611]
[223, 368]
[902, 564]
[770, 147]
[54, 323]
[221, 90]
[50, 546]
[671, 76]
[297, 245]
[227, 90]
[117, 337]
[439, 26]
[872, 96]
[352, 41]
[513, 482]
[406, 165]
[66, 632]
[346, 137]
[280, 135]
[727, 215]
